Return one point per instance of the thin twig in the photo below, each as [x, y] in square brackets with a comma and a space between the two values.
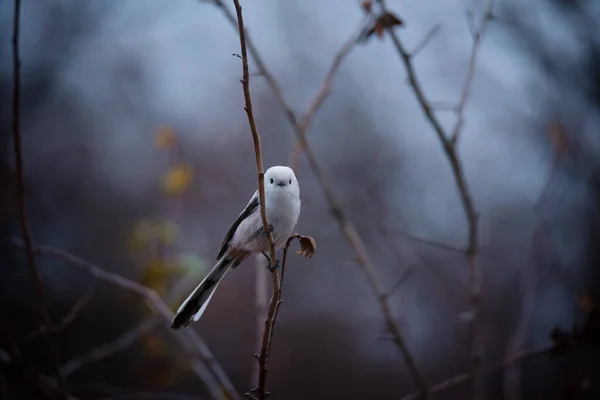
[107, 350]
[262, 307]
[325, 89]
[478, 34]
[254, 129]
[448, 143]
[345, 224]
[202, 360]
[529, 286]
[462, 378]
[263, 357]
[428, 242]
[66, 321]
[425, 41]
[16, 128]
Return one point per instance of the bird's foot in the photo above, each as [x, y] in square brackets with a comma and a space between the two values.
[266, 232]
[274, 267]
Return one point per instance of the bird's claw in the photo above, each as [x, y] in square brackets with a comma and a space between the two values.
[274, 267]
[266, 232]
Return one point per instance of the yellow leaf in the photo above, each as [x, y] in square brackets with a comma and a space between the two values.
[166, 231]
[165, 138]
[156, 275]
[142, 233]
[177, 179]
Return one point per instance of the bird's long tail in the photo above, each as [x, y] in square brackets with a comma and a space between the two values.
[193, 307]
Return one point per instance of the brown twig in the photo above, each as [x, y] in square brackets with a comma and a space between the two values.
[345, 224]
[66, 321]
[202, 360]
[260, 389]
[462, 378]
[325, 89]
[477, 36]
[449, 143]
[262, 305]
[106, 350]
[16, 128]
[254, 129]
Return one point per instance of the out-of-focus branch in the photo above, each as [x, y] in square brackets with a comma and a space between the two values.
[345, 224]
[449, 144]
[260, 389]
[462, 378]
[108, 349]
[325, 89]
[202, 360]
[26, 232]
[529, 287]
[66, 321]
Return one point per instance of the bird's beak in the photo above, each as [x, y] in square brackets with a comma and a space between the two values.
[281, 183]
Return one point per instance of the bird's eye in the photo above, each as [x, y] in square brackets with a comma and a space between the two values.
[271, 180]
[290, 181]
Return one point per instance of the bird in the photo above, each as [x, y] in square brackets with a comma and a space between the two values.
[247, 236]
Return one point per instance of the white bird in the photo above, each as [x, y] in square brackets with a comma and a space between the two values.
[247, 236]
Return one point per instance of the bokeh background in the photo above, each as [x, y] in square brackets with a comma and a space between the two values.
[138, 156]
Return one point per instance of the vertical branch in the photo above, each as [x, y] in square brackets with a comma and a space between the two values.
[26, 234]
[345, 224]
[261, 303]
[260, 389]
[449, 145]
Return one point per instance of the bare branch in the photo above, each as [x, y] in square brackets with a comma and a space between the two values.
[407, 274]
[433, 243]
[448, 143]
[107, 350]
[68, 319]
[255, 135]
[529, 285]
[463, 378]
[325, 89]
[26, 232]
[261, 302]
[260, 389]
[345, 224]
[202, 360]
[428, 37]
[478, 34]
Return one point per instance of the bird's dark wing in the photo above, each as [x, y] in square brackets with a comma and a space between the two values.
[250, 208]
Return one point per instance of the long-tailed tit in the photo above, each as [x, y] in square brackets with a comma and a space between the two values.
[247, 236]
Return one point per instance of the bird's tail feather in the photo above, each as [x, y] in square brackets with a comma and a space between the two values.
[195, 305]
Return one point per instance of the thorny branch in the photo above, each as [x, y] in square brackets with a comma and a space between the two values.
[260, 389]
[201, 358]
[345, 224]
[449, 144]
[16, 130]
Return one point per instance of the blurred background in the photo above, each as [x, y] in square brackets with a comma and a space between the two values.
[138, 156]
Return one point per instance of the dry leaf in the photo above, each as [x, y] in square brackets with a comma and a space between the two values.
[387, 20]
[308, 246]
[165, 138]
[177, 179]
[366, 5]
